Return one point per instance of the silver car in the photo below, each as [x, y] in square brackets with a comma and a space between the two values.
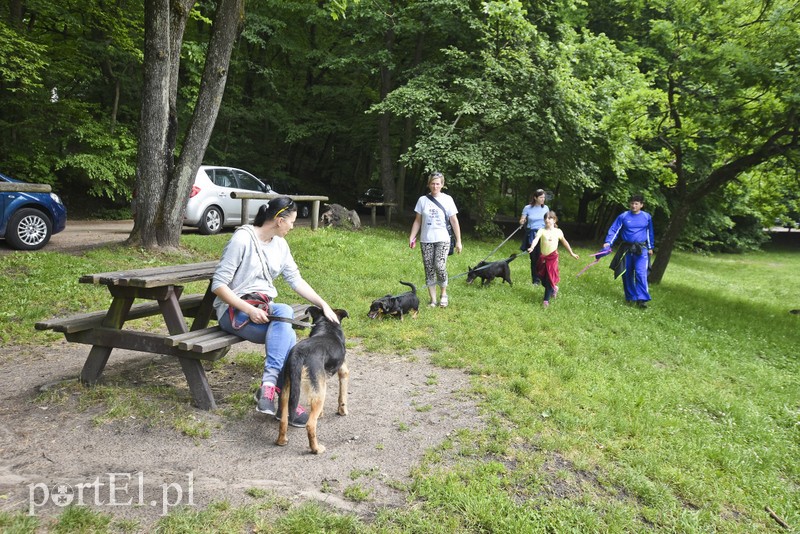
[210, 206]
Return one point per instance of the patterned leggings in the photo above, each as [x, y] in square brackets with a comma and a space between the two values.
[434, 258]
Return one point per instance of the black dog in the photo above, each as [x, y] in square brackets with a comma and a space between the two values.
[315, 358]
[489, 271]
[398, 305]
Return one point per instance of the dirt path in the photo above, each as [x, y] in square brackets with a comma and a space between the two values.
[399, 408]
[83, 235]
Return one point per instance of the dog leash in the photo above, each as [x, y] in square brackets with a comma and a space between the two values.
[513, 256]
[503, 243]
[295, 322]
[597, 257]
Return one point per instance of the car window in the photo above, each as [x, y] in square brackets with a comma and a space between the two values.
[249, 182]
[224, 178]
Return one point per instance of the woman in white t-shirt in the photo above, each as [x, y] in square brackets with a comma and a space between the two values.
[433, 213]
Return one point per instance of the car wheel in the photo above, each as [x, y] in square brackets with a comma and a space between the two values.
[303, 211]
[211, 221]
[29, 229]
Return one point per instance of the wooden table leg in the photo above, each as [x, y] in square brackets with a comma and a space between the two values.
[192, 369]
[98, 356]
[198, 384]
[373, 212]
[314, 215]
[205, 312]
[171, 310]
[95, 363]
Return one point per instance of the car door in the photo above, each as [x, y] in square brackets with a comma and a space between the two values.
[226, 183]
[251, 184]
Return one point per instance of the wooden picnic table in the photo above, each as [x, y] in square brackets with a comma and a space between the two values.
[314, 199]
[163, 288]
[374, 208]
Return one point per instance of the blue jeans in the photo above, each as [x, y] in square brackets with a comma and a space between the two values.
[529, 237]
[277, 337]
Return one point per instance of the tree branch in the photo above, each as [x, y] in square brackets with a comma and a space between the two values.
[727, 172]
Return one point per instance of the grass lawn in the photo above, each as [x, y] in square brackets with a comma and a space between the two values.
[684, 417]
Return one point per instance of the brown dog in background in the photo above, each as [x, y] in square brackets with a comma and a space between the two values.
[310, 363]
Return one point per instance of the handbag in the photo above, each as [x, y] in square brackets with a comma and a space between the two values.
[446, 223]
[259, 300]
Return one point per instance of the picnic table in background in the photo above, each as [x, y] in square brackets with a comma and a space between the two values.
[373, 206]
[21, 187]
[315, 200]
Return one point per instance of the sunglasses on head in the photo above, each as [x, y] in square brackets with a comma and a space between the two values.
[286, 207]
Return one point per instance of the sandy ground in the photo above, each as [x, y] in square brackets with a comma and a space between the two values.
[400, 407]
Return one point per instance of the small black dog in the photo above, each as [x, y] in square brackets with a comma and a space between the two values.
[398, 305]
[489, 271]
[315, 358]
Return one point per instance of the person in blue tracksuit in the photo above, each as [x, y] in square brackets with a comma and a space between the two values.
[633, 229]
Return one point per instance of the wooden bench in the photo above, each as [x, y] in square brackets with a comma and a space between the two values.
[207, 342]
[189, 304]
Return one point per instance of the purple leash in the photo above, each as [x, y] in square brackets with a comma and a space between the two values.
[597, 257]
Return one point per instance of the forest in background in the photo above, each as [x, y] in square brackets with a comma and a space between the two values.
[692, 102]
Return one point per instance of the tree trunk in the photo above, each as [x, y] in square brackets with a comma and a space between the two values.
[405, 142]
[151, 169]
[15, 11]
[227, 23]
[666, 244]
[162, 186]
[587, 197]
[408, 136]
[384, 127]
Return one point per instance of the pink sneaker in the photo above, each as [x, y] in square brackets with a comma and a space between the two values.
[300, 417]
[545, 304]
[265, 398]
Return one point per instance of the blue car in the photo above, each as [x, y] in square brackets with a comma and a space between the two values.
[27, 220]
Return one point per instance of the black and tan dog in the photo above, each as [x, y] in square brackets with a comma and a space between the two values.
[489, 271]
[310, 363]
[397, 305]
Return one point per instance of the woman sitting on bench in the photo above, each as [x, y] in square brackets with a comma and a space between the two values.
[243, 282]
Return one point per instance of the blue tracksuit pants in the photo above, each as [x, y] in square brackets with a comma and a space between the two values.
[635, 278]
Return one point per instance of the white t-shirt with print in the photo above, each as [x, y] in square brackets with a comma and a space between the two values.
[433, 227]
